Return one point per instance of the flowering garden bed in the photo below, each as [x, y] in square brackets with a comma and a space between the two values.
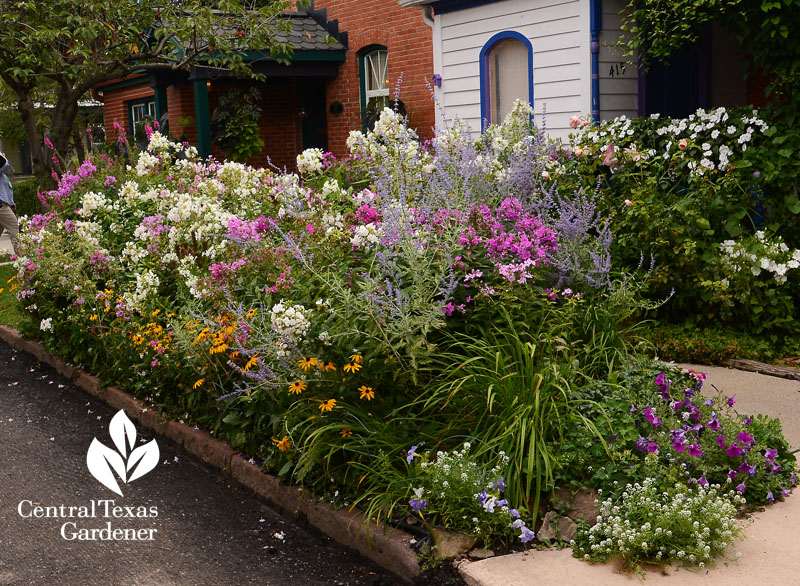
[429, 329]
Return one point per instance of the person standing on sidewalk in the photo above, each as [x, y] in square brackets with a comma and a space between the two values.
[8, 220]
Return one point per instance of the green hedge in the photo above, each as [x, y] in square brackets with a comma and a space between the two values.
[25, 196]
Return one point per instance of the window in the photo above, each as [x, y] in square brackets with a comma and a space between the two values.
[374, 72]
[506, 64]
[139, 110]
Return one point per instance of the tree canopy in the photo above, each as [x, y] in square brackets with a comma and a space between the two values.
[73, 46]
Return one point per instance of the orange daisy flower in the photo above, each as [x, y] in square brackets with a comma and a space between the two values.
[283, 444]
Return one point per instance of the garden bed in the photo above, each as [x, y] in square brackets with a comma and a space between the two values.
[429, 330]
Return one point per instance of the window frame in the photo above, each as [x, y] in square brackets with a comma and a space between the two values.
[139, 102]
[363, 55]
[485, 82]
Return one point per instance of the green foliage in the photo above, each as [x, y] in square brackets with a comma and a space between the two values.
[25, 196]
[11, 313]
[517, 380]
[707, 345]
[235, 124]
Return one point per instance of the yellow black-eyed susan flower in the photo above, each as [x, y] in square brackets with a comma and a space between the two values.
[352, 367]
[307, 363]
[327, 405]
[297, 387]
[357, 358]
[366, 392]
[326, 366]
[198, 383]
[345, 433]
[251, 363]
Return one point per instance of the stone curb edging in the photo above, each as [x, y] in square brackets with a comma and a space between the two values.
[390, 549]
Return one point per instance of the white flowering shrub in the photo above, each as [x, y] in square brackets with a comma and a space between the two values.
[309, 161]
[756, 275]
[761, 253]
[657, 523]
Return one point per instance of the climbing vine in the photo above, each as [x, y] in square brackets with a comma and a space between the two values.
[234, 124]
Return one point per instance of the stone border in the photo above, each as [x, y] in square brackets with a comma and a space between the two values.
[390, 549]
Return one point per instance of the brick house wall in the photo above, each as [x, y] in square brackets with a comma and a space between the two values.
[409, 41]
[279, 122]
[403, 31]
[115, 107]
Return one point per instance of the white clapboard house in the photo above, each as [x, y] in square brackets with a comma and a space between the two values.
[559, 55]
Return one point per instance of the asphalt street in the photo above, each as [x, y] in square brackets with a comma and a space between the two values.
[207, 530]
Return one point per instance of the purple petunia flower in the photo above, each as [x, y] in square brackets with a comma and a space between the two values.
[744, 467]
[753, 469]
[501, 503]
[526, 535]
[770, 497]
[662, 382]
[741, 488]
[734, 451]
[786, 492]
[652, 447]
[713, 423]
[748, 420]
[794, 478]
[703, 481]
[732, 474]
[514, 513]
[679, 445]
[418, 504]
[721, 441]
[770, 455]
[745, 438]
[732, 401]
[482, 497]
[776, 468]
[411, 454]
[695, 450]
[709, 403]
[633, 409]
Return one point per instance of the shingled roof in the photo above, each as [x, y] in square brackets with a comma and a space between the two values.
[308, 34]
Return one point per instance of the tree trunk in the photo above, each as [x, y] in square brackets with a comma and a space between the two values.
[41, 166]
[77, 141]
[63, 122]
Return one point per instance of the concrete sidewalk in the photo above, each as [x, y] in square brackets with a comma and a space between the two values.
[770, 553]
